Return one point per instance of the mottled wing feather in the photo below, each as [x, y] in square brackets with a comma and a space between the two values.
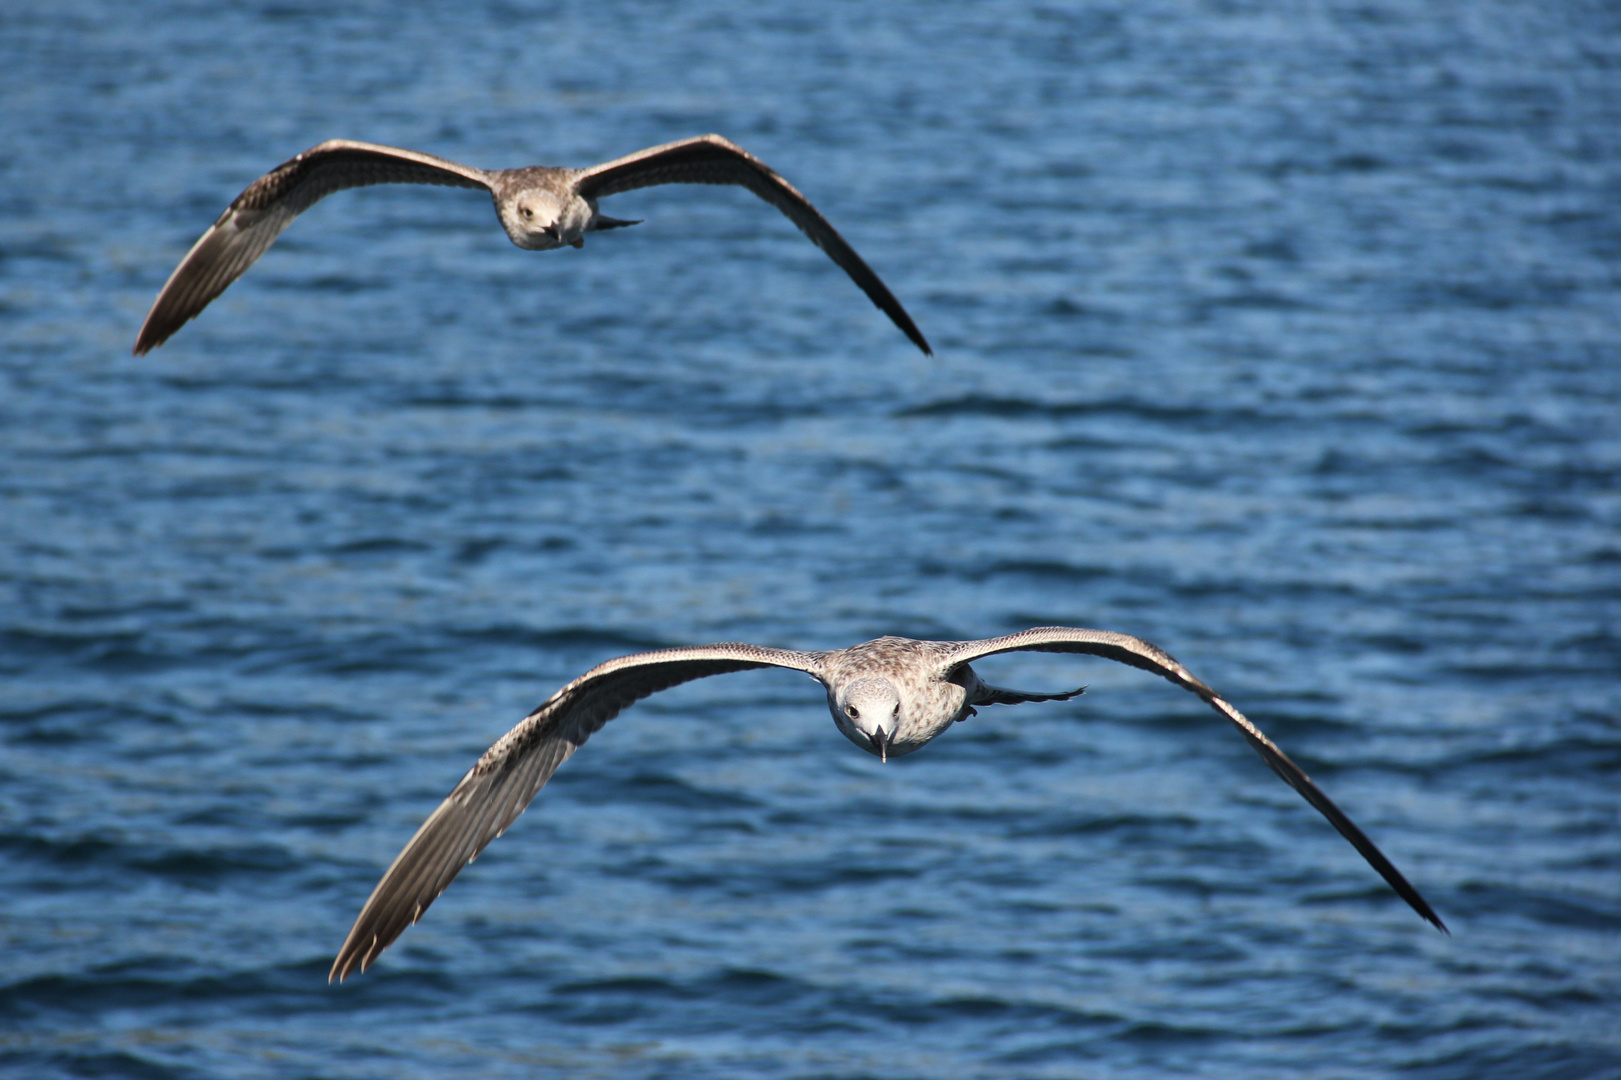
[253, 221]
[497, 789]
[1140, 654]
[710, 159]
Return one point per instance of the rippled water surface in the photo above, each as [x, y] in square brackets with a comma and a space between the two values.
[1290, 341]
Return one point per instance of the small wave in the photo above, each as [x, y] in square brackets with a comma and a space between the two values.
[379, 545]
[1126, 826]
[195, 867]
[662, 789]
[72, 1056]
[1542, 1061]
[568, 638]
[1567, 908]
[1128, 408]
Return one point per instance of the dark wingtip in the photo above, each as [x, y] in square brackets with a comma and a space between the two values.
[150, 337]
[1431, 917]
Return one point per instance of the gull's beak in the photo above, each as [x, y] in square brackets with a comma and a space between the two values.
[883, 746]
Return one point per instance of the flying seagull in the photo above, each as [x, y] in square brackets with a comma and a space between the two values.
[539, 206]
[889, 697]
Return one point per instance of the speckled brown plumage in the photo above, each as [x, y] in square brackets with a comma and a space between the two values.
[256, 217]
[917, 688]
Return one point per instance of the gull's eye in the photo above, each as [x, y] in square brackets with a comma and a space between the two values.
[897, 709]
[855, 713]
[527, 213]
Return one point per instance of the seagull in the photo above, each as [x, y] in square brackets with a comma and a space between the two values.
[889, 696]
[540, 207]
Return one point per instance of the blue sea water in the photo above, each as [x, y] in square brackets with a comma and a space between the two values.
[1288, 338]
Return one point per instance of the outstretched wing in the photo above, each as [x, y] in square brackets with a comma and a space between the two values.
[710, 159]
[496, 790]
[252, 223]
[1140, 654]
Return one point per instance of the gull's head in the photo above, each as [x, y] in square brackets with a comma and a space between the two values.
[534, 220]
[868, 711]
